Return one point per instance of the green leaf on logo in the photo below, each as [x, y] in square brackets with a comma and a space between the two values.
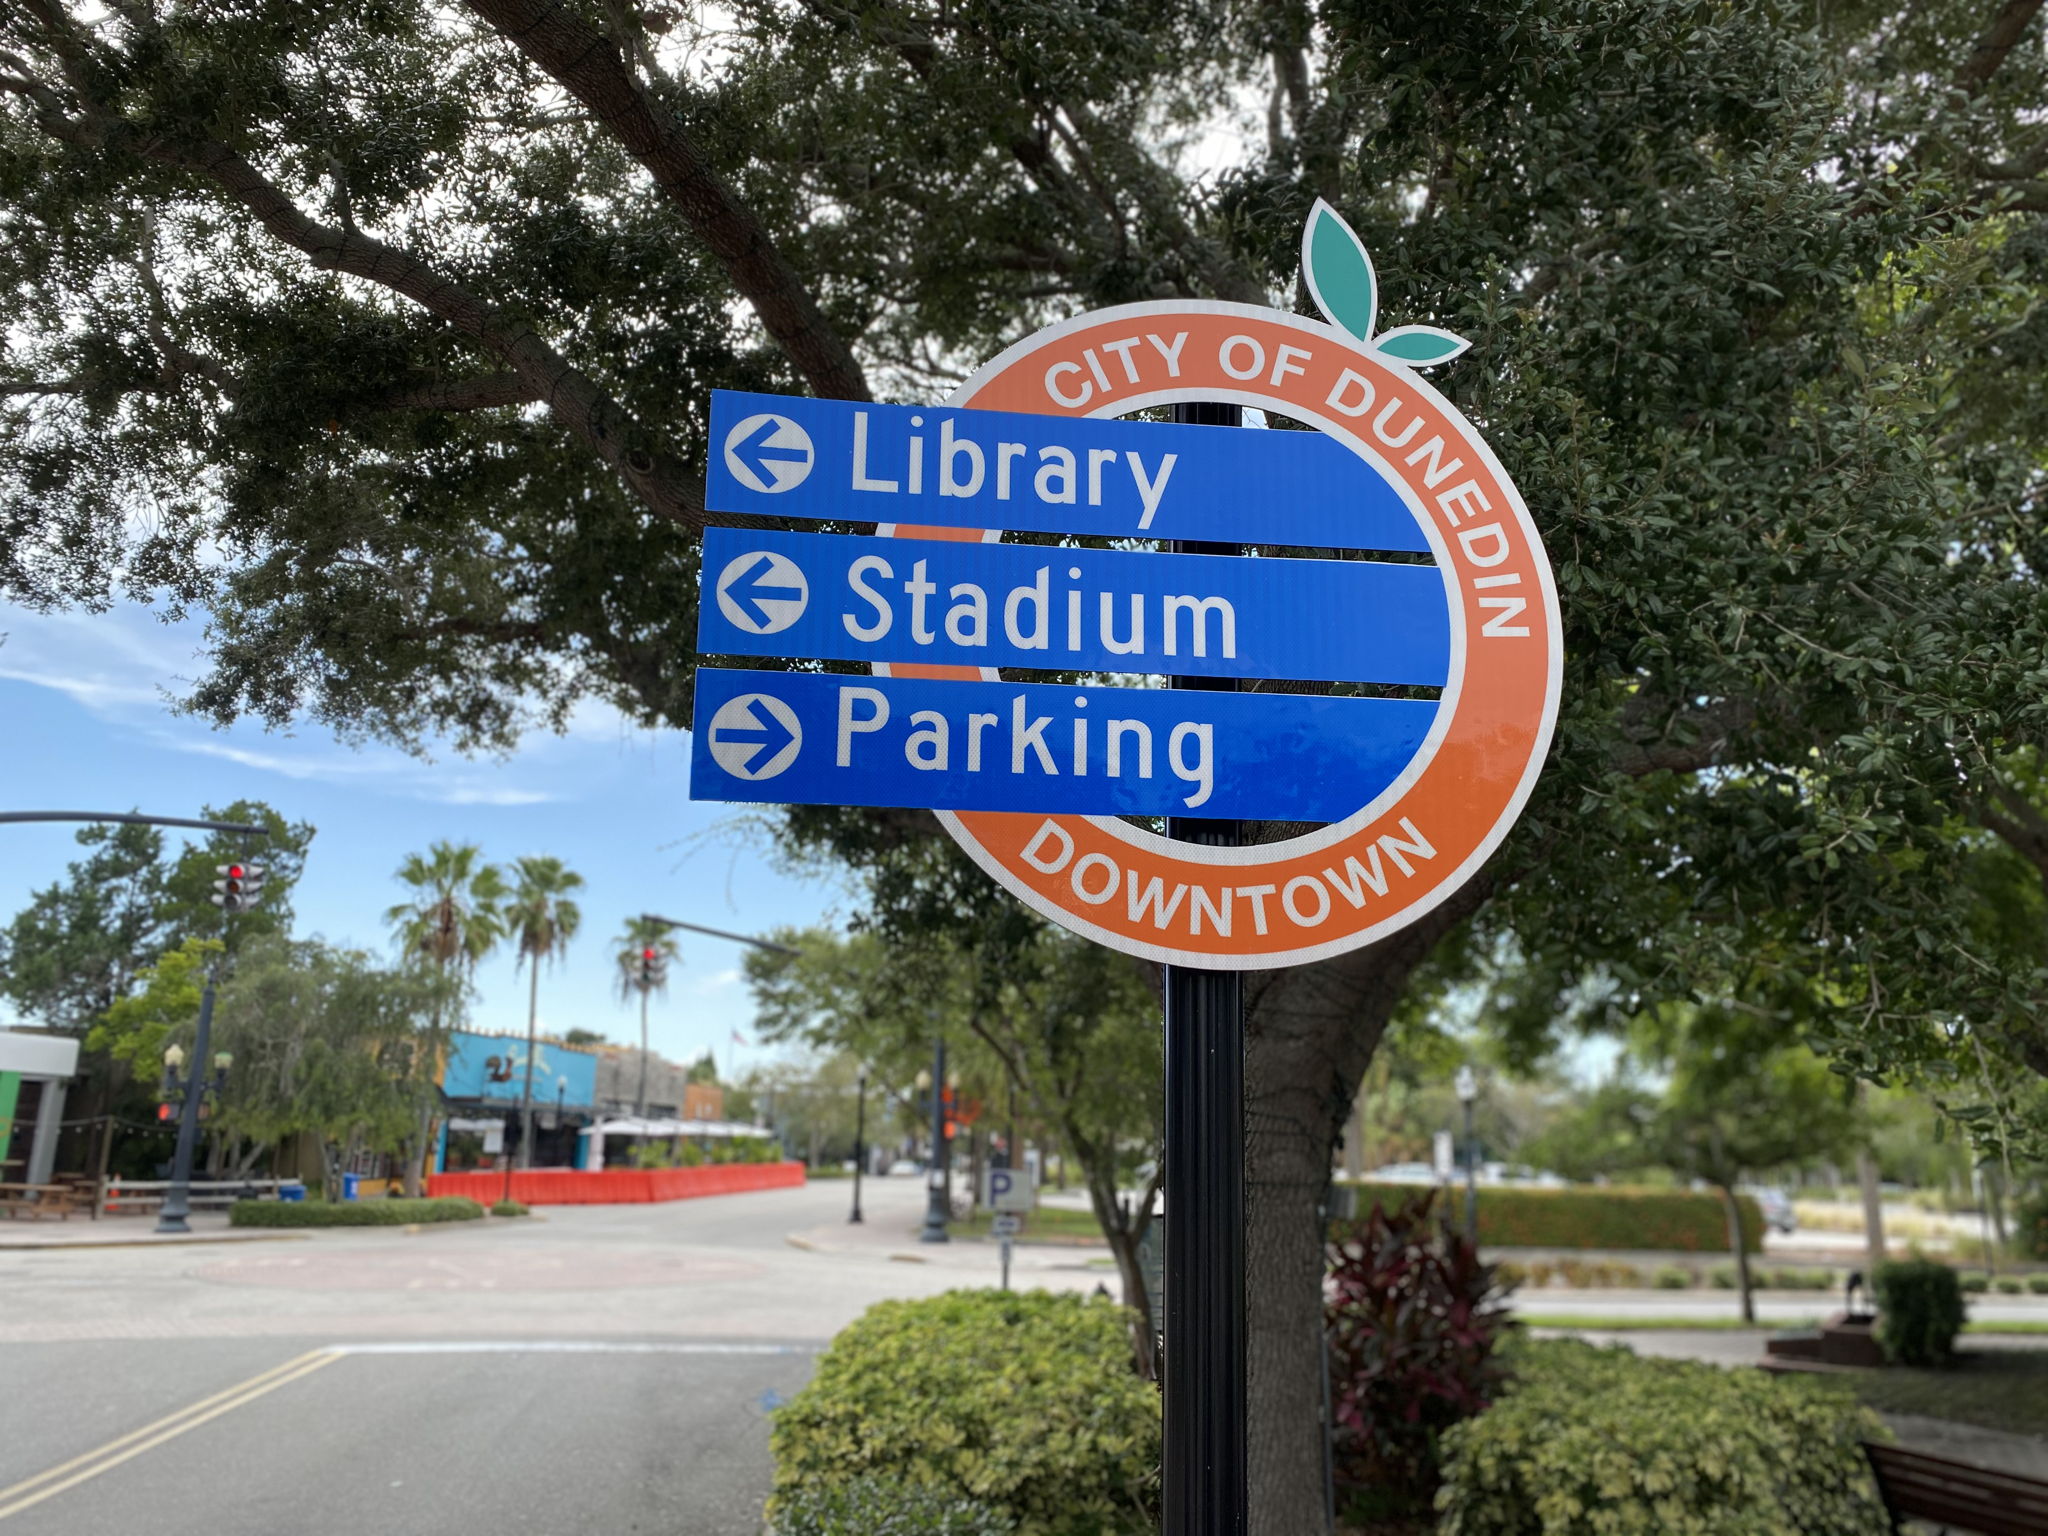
[1418, 346]
[1338, 272]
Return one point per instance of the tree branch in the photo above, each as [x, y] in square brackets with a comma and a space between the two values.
[1995, 44]
[590, 67]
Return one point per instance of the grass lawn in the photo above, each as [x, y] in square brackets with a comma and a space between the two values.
[1997, 1388]
[1047, 1224]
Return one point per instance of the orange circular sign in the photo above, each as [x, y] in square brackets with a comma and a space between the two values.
[1347, 884]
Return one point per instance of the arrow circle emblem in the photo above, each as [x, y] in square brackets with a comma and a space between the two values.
[755, 736]
[769, 453]
[762, 592]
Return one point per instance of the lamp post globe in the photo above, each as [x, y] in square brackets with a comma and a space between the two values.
[1466, 1085]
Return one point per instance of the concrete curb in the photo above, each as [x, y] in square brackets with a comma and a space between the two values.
[185, 1241]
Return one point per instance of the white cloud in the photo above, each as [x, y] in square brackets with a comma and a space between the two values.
[717, 981]
[488, 795]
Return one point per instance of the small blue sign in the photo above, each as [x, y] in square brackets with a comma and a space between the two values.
[812, 739]
[1070, 610]
[787, 457]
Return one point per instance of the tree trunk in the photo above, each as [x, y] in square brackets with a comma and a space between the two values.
[416, 1149]
[526, 1093]
[1310, 1034]
[1738, 1246]
[1873, 1208]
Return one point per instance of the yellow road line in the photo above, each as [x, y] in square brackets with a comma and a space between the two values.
[104, 1459]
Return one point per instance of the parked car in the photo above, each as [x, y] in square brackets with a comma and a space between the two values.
[905, 1165]
[1401, 1173]
[1776, 1207]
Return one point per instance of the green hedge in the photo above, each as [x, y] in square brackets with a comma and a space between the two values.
[1601, 1442]
[1024, 1402]
[351, 1213]
[1919, 1310]
[1668, 1219]
[873, 1507]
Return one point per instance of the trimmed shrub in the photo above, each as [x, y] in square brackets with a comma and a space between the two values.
[1919, 1311]
[509, 1208]
[2006, 1285]
[1590, 1441]
[352, 1213]
[1722, 1277]
[2038, 1284]
[1976, 1285]
[1672, 1278]
[1619, 1218]
[872, 1507]
[1799, 1279]
[1413, 1320]
[1023, 1401]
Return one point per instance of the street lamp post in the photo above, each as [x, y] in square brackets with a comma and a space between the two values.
[1468, 1091]
[935, 1212]
[177, 1206]
[860, 1139]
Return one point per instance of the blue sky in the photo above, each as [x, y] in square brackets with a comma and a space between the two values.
[88, 727]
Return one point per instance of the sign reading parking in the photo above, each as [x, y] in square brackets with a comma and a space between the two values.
[1008, 1189]
[1395, 713]
[965, 746]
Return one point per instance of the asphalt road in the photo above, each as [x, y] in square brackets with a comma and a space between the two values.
[436, 1438]
[607, 1369]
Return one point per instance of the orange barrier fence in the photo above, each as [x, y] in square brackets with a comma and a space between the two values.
[619, 1186]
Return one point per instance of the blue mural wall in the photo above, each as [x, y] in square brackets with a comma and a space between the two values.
[494, 1067]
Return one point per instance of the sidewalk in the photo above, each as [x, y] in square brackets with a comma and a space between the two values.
[137, 1231]
[888, 1233]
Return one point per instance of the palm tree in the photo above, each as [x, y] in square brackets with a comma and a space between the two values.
[451, 922]
[641, 937]
[542, 920]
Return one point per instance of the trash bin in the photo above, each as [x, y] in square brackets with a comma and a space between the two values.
[349, 1185]
[291, 1191]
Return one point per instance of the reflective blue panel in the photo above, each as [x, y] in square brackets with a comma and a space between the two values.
[785, 456]
[1070, 610]
[803, 738]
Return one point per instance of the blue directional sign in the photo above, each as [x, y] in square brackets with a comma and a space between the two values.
[1076, 610]
[808, 738]
[781, 456]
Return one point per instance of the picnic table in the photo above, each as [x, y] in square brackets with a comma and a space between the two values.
[39, 1200]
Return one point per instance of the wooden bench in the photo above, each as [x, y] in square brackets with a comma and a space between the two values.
[1957, 1495]
[38, 1200]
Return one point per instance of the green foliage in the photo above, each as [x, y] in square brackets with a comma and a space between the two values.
[1919, 1311]
[138, 1026]
[79, 944]
[876, 1507]
[509, 1208]
[352, 1213]
[2030, 1224]
[454, 915]
[1614, 1217]
[329, 1043]
[1601, 1442]
[1671, 1278]
[1024, 1401]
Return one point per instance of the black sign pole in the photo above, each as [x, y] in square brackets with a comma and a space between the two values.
[1205, 1493]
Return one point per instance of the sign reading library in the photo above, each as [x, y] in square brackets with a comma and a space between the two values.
[1436, 684]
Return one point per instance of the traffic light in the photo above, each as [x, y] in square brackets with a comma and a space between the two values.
[653, 967]
[239, 888]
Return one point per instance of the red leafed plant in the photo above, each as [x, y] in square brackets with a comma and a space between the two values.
[1414, 1321]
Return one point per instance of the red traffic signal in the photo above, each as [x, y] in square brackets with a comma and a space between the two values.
[163, 1112]
[647, 955]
